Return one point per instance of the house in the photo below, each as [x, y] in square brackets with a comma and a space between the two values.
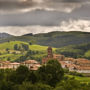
[50, 55]
[31, 64]
[9, 65]
[80, 65]
[14, 65]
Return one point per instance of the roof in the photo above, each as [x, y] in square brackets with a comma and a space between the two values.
[30, 62]
[83, 68]
[35, 67]
[15, 63]
[69, 59]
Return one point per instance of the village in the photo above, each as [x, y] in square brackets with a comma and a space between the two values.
[80, 65]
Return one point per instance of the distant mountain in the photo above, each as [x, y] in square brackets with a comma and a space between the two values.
[55, 39]
[29, 34]
[5, 35]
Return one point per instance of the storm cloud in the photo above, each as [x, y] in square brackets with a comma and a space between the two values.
[20, 17]
[14, 6]
[77, 25]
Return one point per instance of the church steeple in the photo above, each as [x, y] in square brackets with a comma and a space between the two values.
[50, 53]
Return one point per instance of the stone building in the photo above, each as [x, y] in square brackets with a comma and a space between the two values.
[80, 65]
[31, 64]
[9, 65]
[50, 55]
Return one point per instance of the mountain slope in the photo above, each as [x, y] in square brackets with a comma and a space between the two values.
[75, 51]
[5, 35]
[55, 39]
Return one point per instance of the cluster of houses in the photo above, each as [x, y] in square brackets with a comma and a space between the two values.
[80, 65]
[31, 64]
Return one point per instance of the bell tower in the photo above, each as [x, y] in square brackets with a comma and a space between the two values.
[50, 53]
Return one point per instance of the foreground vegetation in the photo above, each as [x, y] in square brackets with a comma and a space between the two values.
[47, 77]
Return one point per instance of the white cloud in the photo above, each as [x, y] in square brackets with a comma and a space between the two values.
[71, 25]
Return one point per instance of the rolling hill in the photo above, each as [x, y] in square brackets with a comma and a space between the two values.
[5, 35]
[56, 39]
[7, 51]
[75, 51]
[34, 47]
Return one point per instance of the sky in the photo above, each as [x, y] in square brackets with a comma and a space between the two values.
[18, 17]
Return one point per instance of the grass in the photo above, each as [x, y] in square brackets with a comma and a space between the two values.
[12, 57]
[10, 45]
[39, 48]
[81, 79]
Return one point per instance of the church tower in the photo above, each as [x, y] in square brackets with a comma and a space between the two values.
[50, 53]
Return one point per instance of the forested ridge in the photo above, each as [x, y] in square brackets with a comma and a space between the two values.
[55, 39]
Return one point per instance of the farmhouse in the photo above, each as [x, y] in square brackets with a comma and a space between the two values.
[7, 64]
[80, 65]
[31, 64]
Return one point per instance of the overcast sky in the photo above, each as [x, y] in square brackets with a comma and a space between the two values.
[19, 17]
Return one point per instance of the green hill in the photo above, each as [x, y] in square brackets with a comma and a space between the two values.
[7, 51]
[55, 39]
[75, 51]
[11, 44]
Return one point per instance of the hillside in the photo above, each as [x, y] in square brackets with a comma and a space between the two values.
[7, 51]
[33, 47]
[37, 52]
[55, 39]
[5, 35]
[75, 51]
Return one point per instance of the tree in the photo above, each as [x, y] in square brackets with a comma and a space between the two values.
[32, 77]
[25, 47]
[38, 86]
[8, 59]
[16, 47]
[19, 75]
[7, 49]
[51, 73]
[69, 84]
[30, 43]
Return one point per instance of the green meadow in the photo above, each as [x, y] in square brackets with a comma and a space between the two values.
[81, 79]
[14, 54]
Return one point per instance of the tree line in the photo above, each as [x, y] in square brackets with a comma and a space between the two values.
[47, 77]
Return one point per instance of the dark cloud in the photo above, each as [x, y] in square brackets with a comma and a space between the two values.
[10, 6]
[63, 0]
[67, 0]
[44, 18]
[44, 15]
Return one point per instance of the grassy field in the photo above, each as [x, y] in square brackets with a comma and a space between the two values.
[4, 55]
[39, 48]
[11, 44]
[81, 79]
[10, 57]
